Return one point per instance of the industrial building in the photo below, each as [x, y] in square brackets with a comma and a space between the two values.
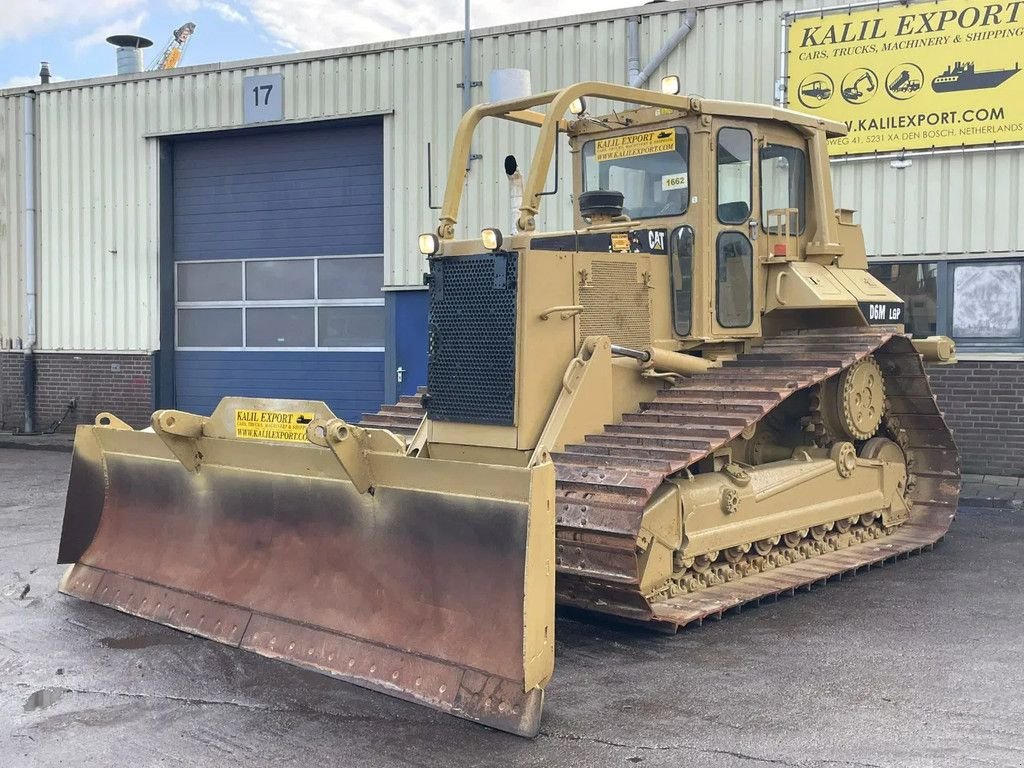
[168, 238]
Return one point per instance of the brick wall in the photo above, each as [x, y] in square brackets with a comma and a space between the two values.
[11, 403]
[984, 406]
[983, 401]
[121, 384]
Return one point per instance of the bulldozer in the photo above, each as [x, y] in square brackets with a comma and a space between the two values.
[696, 399]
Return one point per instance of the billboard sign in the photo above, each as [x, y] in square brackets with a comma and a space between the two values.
[937, 74]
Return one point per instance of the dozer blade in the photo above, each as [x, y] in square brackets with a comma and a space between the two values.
[436, 586]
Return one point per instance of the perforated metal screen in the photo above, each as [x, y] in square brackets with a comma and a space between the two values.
[471, 371]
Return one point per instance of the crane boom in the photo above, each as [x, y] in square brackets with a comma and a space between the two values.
[175, 47]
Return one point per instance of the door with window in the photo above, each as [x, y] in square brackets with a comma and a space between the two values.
[735, 276]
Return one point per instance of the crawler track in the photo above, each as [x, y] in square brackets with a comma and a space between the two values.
[605, 482]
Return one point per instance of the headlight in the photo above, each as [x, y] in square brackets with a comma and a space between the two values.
[670, 85]
[578, 106]
[429, 244]
[491, 238]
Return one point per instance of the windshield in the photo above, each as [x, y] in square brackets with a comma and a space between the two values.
[650, 169]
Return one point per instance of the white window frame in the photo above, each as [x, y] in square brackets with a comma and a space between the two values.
[315, 303]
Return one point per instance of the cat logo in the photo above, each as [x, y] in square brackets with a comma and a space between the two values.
[656, 239]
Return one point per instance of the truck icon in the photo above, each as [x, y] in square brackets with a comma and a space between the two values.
[904, 80]
[904, 83]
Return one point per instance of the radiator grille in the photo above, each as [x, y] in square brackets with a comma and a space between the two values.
[471, 373]
[616, 305]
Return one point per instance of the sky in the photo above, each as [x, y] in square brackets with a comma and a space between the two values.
[71, 34]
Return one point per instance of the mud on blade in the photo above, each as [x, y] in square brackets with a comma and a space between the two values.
[436, 585]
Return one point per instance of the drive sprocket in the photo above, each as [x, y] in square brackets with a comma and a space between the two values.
[851, 405]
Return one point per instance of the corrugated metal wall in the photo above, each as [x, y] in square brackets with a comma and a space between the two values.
[98, 208]
[11, 221]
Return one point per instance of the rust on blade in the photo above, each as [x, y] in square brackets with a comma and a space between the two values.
[86, 494]
[420, 593]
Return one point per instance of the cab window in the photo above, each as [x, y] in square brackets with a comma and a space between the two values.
[783, 185]
[681, 261]
[734, 176]
[734, 294]
[650, 169]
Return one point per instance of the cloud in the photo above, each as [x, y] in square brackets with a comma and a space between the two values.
[226, 12]
[312, 24]
[223, 9]
[126, 26]
[21, 19]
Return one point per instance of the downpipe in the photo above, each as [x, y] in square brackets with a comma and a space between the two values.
[689, 20]
[632, 48]
[29, 240]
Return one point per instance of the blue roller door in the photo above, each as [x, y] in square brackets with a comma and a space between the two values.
[278, 250]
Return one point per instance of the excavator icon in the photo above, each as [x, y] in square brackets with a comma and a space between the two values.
[852, 91]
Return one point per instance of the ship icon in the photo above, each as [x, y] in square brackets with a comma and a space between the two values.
[962, 76]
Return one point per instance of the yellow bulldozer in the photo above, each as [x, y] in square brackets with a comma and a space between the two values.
[696, 399]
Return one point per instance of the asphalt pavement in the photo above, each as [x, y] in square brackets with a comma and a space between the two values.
[920, 663]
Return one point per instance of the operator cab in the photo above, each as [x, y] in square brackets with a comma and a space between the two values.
[719, 191]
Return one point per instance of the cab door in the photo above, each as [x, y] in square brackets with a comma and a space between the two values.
[734, 274]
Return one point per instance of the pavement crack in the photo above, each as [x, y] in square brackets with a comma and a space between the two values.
[609, 743]
[670, 747]
[752, 758]
[74, 623]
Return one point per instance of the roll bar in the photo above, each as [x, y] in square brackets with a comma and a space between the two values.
[552, 122]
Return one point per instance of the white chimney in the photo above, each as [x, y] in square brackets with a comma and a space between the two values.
[129, 52]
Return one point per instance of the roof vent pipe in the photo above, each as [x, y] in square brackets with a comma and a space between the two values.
[129, 52]
[689, 20]
[44, 72]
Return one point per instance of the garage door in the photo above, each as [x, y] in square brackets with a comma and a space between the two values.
[278, 243]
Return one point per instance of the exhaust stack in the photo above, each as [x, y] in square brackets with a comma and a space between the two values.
[129, 52]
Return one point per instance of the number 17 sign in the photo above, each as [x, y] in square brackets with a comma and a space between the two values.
[262, 98]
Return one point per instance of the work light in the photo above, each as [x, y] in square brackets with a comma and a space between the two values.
[491, 238]
[429, 244]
